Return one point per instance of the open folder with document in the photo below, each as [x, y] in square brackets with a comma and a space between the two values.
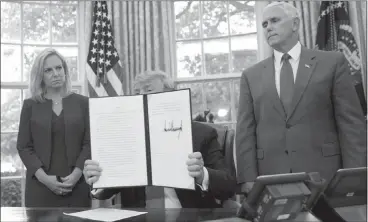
[142, 140]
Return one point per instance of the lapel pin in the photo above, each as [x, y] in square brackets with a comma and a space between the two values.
[306, 65]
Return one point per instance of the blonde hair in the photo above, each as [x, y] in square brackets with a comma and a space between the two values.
[288, 8]
[151, 75]
[36, 84]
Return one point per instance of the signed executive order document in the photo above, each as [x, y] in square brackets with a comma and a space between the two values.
[142, 140]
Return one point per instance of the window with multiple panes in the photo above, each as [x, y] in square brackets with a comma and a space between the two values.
[27, 27]
[215, 42]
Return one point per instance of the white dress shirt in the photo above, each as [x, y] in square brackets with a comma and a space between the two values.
[171, 199]
[294, 62]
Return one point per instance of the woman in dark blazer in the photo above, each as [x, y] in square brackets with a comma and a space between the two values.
[53, 139]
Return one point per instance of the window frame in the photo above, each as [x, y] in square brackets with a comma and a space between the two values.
[232, 77]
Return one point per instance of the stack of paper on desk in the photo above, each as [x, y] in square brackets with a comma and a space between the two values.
[106, 214]
[142, 140]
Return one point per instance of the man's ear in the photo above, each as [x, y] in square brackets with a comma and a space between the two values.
[296, 24]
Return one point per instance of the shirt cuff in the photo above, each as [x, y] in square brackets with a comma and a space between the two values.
[205, 182]
[95, 193]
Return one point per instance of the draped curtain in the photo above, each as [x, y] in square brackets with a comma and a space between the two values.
[144, 36]
[143, 32]
[309, 12]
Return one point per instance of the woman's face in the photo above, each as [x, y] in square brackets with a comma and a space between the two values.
[53, 72]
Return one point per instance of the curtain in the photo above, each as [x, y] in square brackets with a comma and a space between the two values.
[309, 12]
[144, 37]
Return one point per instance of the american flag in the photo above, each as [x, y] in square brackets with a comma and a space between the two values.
[334, 33]
[103, 69]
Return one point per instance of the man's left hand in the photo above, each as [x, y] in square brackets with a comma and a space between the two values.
[74, 177]
[195, 165]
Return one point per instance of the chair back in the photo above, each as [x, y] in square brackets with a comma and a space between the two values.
[226, 140]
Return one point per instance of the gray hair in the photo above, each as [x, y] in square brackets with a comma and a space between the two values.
[288, 8]
[151, 75]
[36, 84]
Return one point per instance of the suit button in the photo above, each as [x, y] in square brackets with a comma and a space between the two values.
[287, 152]
[288, 126]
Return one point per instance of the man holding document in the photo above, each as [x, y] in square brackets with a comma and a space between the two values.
[166, 118]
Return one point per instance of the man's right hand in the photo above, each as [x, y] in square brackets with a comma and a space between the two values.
[91, 171]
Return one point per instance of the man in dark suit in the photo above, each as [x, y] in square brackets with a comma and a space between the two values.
[207, 165]
[298, 109]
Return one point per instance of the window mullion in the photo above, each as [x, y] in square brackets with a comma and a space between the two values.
[50, 25]
[229, 37]
[201, 36]
[215, 37]
[22, 179]
[21, 42]
[22, 85]
[203, 73]
[81, 46]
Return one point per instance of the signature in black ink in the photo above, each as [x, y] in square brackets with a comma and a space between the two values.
[170, 127]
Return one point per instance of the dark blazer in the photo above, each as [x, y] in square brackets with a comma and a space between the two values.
[324, 131]
[222, 183]
[34, 137]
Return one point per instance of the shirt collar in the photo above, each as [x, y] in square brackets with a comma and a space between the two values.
[294, 53]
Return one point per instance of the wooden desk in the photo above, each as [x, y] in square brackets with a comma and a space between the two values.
[162, 215]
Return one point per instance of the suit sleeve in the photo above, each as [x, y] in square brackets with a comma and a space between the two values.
[222, 183]
[25, 145]
[349, 117]
[86, 143]
[245, 139]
